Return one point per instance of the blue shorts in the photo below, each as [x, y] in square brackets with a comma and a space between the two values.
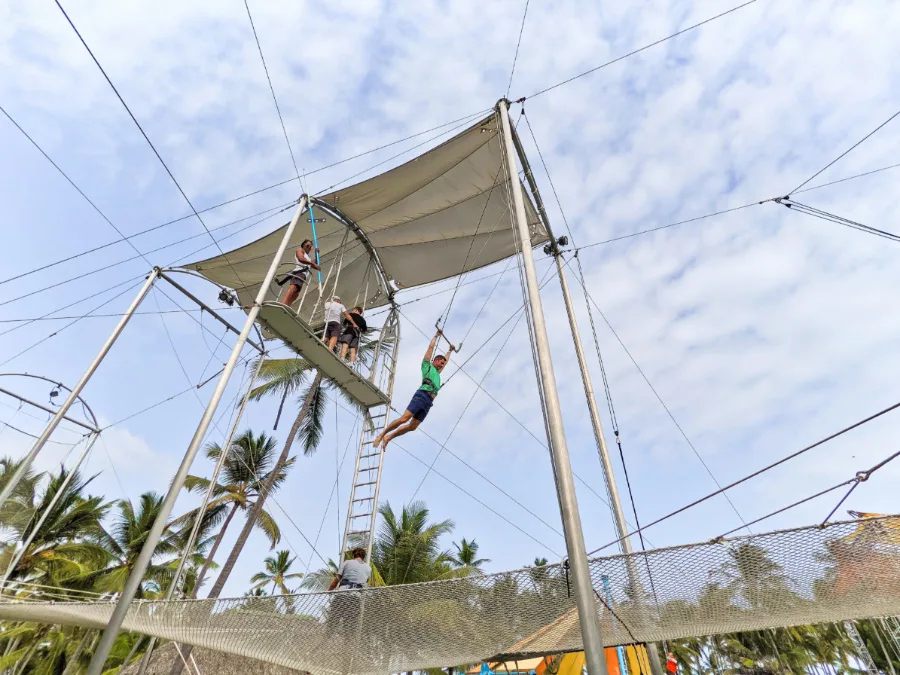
[420, 405]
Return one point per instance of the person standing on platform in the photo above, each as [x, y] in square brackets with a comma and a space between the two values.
[423, 399]
[297, 276]
[334, 310]
[352, 331]
[353, 573]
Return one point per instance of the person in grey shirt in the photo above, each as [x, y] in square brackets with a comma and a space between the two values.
[353, 573]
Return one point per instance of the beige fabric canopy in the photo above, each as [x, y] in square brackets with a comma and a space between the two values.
[441, 214]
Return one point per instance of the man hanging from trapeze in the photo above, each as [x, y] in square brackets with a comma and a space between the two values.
[424, 397]
[297, 276]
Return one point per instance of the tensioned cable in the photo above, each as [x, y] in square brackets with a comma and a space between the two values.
[607, 390]
[144, 134]
[663, 404]
[72, 183]
[21, 275]
[68, 325]
[272, 89]
[99, 306]
[848, 150]
[766, 468]
[542, 443]
[443, 446]
[333, 490]
[860, 477]
[104, 268]
[637, 51]
[830, 217]
[100, 316]
[518, 44]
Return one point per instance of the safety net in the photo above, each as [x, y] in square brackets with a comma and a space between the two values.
[809, 575]
[439, 215]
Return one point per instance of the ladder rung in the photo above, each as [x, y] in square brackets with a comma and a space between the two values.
[372, 482]
[359, 532]
[364, 499]
[368, 442]
[374, 454]
[374, 468]
[360, 515]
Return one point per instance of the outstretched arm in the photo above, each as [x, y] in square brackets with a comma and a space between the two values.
[431, 345]
[335, 582]
[450, 352]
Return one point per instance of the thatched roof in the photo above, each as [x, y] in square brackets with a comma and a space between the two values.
[210, 662]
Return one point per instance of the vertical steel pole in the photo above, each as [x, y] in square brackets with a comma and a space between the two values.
[153, 537]
[53, 502]
[201, 510]
[599, 436]
[588, 617]
[73, 394]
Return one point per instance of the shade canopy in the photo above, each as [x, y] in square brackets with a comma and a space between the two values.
[444, 213]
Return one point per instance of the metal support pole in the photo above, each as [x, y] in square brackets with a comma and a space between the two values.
[48, 409]
[153, 537]
[73, 394]
[588, 617]
[201, 510]
[602, 450]
[53, 502]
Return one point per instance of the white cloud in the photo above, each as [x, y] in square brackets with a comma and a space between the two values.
[762, 329]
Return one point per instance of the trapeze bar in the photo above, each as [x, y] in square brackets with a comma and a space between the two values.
[293, 330]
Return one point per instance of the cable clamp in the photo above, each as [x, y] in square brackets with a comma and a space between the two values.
[862, 476]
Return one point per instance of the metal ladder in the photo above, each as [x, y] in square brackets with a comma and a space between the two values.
[861, 651]
[363, 507]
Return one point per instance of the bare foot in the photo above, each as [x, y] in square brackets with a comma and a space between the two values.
[378, 440]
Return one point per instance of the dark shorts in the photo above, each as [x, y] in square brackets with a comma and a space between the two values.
[350, 338]
[420, 405]
[333, 329]
[296, 279]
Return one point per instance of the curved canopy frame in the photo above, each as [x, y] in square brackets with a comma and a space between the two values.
[435, 217]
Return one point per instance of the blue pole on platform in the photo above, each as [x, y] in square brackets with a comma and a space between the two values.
[620, 651]
[312, 221]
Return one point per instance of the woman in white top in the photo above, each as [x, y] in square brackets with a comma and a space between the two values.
[297, 276]
[334, 310]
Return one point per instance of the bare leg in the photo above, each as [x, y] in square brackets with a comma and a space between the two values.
[332, 341]
[403, 419]
[344, 350]
[290, 295]
[411, 426]
[353, 353]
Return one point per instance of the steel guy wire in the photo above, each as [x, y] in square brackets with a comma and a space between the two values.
[764, 469]
[848, 150]
[637, 51]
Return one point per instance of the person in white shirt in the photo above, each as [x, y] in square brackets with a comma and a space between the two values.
[334, 310]
[297, 276]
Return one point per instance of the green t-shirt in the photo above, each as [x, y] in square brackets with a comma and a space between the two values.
[431, 378]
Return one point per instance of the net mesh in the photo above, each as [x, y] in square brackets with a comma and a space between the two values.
[817, 574]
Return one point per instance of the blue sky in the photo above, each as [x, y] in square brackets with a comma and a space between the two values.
[762, 329]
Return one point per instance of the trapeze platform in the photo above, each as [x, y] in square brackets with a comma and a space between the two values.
[286, 325]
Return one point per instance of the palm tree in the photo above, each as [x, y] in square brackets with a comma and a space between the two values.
[125, 540]
[466, 556]
[240, 482]
[277, 573]
[66, 546]
[407, 549]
